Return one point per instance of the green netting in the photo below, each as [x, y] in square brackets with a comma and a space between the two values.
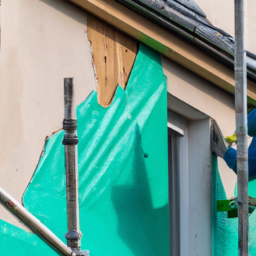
[226, 235]
[123, 174]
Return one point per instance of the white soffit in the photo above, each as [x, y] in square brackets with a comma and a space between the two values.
[182, 108]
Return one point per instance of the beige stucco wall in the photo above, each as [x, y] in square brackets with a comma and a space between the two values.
[207, 98]
[43, 41]
[221, 14]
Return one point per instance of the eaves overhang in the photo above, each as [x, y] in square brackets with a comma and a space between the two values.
[167, 38]
[179, 19]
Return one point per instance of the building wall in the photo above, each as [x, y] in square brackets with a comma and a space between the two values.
[207, 98]
[214, 101]
[42, 42]
[221, 14]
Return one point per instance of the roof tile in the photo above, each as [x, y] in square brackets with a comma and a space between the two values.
[192, 5]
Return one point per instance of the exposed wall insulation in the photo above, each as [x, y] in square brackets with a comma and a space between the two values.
[123, 174]
[113, 56]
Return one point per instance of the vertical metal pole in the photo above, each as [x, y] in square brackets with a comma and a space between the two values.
[70, 142]
[241, 127]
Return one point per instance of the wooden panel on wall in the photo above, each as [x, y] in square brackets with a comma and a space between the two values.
[113, 56]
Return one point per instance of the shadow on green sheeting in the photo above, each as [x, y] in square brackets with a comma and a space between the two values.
[226, 243]
[123, 174]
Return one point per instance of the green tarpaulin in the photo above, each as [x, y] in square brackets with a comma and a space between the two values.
[226, 230]
[123, 174]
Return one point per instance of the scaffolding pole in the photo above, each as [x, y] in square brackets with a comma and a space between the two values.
[70, 142]
[10, 204]
[241, 128]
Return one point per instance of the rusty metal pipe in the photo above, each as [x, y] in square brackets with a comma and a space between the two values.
[33, 223]
[241, 128]
[70, 142]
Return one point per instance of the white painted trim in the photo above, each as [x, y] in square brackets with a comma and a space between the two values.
[176, 122]
[200, 182]
[195, 181]
[175, 128]
[183, 109]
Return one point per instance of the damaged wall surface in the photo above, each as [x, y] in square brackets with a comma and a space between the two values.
[43, 41]
[123, 173]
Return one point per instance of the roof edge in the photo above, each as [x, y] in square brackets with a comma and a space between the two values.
[168, 44]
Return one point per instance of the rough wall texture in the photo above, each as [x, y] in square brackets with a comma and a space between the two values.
[43, 41]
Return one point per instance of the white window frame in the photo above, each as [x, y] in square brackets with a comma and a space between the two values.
[193, 180]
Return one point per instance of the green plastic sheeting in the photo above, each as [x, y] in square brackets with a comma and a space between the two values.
[226, 230]
[123, 174]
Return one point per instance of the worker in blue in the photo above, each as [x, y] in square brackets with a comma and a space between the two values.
[230, 155]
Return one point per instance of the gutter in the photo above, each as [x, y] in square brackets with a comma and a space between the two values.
[201, 61]
[194, 28]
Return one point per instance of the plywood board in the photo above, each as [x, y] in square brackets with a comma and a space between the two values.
[113, 56]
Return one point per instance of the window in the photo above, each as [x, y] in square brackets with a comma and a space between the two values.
[190, 180]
